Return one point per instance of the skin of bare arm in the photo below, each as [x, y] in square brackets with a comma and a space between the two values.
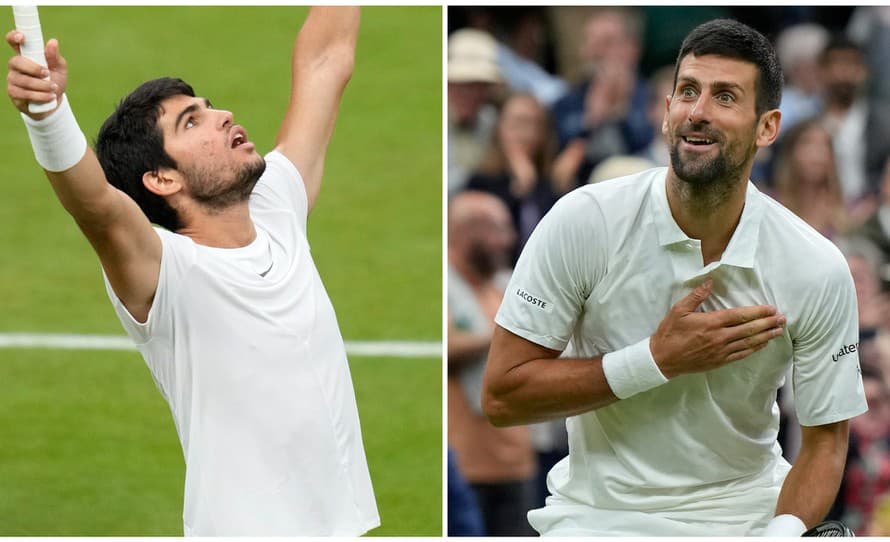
[812, 485]
[323, 62]
[121, 235]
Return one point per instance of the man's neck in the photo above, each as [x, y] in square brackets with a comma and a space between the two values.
[226, 228]
[709, 214]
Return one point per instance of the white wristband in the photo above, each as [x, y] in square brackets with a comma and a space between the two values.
[785, 525]
[57, 140]
[632, 370]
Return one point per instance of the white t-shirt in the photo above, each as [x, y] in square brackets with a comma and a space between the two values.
[599, 273]
[244, 345]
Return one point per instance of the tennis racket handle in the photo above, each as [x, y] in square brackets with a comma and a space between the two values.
[27, 21]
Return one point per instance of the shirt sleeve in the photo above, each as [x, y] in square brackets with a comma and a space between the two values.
[280, 188]
[559, 266]
[826, 374]
[177, 256]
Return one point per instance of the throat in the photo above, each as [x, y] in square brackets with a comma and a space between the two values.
[708, 213]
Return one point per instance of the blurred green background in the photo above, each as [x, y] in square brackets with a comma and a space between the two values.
[87, 444]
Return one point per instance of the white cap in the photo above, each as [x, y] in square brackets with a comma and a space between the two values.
[472, 57]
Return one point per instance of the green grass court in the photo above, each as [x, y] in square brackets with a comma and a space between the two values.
[88, 444]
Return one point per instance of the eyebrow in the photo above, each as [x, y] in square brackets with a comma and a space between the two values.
[718, 85]
[188, 110]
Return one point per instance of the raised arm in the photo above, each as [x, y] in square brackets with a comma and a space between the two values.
[127, 246]
[324, 55]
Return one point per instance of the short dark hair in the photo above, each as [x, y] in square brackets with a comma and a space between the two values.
[130, 143]
[732, 39]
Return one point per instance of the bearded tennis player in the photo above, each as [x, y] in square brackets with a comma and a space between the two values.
[222, 297]
[660, 311]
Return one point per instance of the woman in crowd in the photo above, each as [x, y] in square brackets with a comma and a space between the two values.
[806, 179]
[517, 165]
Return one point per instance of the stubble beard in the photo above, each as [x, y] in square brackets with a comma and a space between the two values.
[707, 182]
[216, 194]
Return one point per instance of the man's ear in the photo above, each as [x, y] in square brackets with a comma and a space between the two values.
[768, 128]
[163, 182]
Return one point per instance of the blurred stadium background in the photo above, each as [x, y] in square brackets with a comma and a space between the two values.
[579, 90]
[88, 444]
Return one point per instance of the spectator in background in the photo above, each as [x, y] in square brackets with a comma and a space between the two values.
[806, 179]
[867, 475]
[661, 88]
[877, 228]
[799, 47]
[498, 463]
[517, 165]
[860, 127]
[880, 517]
[606, 114]
[472, 77]
[464, 516]
[870, 28]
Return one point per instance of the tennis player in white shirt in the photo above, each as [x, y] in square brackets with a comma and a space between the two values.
[660, 311]
[222, 298]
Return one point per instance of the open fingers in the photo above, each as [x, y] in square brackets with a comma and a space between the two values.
[754, 327]
[741, 315]
[752, 342]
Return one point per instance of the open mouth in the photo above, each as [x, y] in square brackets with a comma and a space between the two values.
[239, 137]
[698, 141]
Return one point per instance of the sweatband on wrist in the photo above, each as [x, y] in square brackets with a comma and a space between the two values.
[632, 370]
[57, 140]
[785, 525]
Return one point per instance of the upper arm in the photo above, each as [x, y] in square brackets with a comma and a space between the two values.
[828, 442]
[323, 59]
[826, 377]
[556, 271]
[120, 233]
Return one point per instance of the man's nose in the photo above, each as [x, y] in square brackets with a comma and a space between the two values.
[701, 109]
[225, 118]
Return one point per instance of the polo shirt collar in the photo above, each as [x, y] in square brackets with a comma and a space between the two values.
[743, 243]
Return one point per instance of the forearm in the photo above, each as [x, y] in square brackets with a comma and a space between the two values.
[810, 489]
[84, 192]
[70, 165]
[811, 486]
[327, 39]
[543, 389]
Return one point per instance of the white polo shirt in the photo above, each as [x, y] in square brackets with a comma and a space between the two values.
[244, 346]
[598, 274]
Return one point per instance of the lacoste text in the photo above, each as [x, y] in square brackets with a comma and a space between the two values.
[531, 299]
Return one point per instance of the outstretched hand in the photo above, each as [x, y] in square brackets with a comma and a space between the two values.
[688, 341]
[26, 81]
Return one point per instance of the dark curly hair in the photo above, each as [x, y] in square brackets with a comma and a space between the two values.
[130, 143]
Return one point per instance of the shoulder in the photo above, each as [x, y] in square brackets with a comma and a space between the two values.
[279, 164]
[618, 197]
[790, 242]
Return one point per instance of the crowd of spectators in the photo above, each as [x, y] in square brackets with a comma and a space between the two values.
[542, 100]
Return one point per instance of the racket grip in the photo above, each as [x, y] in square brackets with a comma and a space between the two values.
[27, 21]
